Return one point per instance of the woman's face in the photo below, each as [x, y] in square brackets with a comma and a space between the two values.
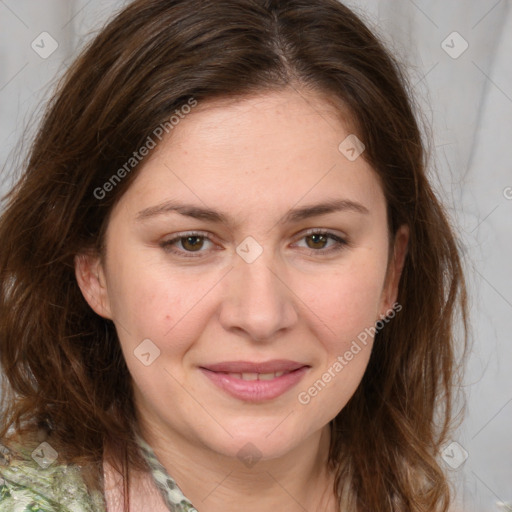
[215, 282]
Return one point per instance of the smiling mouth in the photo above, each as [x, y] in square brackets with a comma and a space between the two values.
[255, 386]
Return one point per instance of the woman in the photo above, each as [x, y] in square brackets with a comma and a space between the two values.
[226, 281]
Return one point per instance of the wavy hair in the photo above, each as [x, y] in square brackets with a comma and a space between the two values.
[62, 364]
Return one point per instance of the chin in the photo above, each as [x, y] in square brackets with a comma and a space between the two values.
[257, 440]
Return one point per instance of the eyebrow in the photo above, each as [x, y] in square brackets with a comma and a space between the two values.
[211, 215]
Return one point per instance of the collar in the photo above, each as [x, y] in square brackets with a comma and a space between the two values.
[172, 494]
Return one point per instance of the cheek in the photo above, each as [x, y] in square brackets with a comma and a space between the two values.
[140, 293]
[347, 301]
[152, 303]
[332, 386]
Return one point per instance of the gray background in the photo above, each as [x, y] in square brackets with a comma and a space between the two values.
[468, 102]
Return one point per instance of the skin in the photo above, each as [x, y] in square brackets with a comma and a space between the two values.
[254, 159]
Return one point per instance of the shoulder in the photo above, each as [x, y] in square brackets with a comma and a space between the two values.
[33, 480]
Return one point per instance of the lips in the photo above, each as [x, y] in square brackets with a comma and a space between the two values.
[255, 382]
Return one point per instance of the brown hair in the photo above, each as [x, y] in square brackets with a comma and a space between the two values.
[63, 364]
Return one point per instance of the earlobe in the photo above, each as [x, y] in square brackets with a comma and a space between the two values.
[395, 269]
[91, 281]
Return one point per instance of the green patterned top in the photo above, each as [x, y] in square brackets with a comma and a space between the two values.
[33, 481]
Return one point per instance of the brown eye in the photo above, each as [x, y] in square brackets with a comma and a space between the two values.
[192, 243]
[187, 244]
[319, 241]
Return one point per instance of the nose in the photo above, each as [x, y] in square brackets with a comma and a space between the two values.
[258, 301]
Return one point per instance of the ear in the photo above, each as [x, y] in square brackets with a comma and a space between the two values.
[90, 276]
[395, 267]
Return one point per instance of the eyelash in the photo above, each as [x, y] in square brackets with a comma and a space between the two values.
[338, 246]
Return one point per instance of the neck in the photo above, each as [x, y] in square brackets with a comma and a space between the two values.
[297, 481]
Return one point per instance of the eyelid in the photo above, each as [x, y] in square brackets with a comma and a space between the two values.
[323, 231]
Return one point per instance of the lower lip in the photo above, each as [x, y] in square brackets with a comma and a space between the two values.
[256, 390]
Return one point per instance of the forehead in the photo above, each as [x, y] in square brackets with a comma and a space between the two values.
[280, 147]
[266, 116]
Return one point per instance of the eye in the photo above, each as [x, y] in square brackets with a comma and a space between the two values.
[191, 242]
[317, 240]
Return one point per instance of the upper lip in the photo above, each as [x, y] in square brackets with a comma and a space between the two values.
[277, 365]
